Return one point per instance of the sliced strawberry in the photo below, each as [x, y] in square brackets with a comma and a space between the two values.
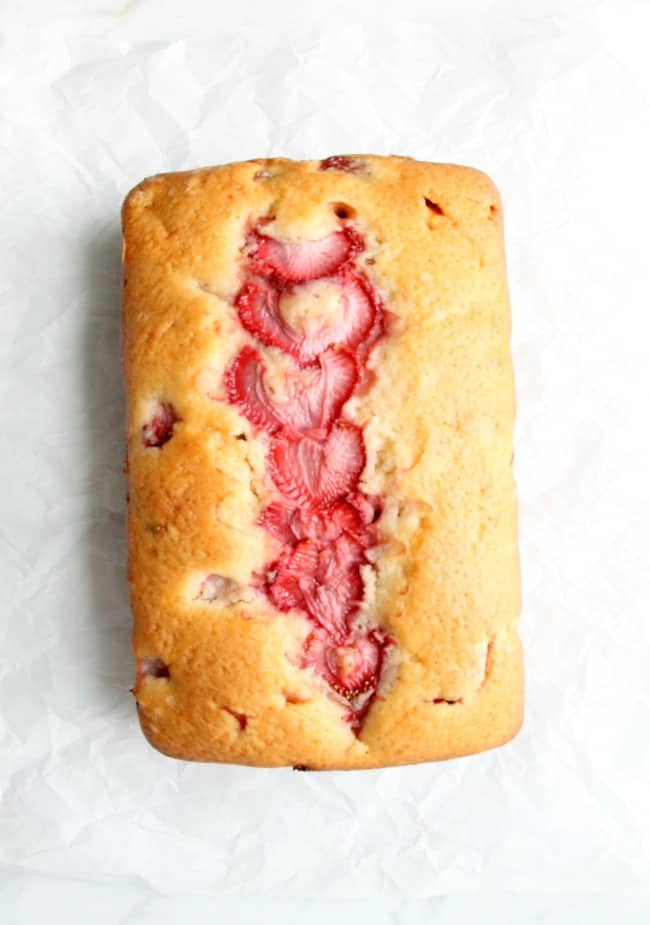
[277, 518]
[308, 522]
[369, 507]
[326, 526]
[310, 472]
[245, 386]
[324, 582]
[352, 668]
[160, 428]
[376, 331]
[323, 526]
[313, 398]
[343, 518]
[343, 162]
[355, 324]
[378, 326]
[331, 607]
[339, 372]
[290, 262]
[293, 567]
[258, 306]
[333, 595]
[290, 524]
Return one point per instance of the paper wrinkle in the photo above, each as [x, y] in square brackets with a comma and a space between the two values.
[556, 112]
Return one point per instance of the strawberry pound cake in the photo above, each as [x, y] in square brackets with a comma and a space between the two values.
[322, 521]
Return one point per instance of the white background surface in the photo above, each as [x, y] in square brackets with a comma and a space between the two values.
[553, 102]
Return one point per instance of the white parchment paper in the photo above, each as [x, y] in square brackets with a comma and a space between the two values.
[556, 109]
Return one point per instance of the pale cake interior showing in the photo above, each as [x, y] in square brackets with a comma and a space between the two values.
[322, 517]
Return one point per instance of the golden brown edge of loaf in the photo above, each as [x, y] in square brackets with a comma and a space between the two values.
[473, 739]
[490, 719]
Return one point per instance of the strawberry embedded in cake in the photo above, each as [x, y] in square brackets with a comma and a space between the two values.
[344, 163]
[219, 589]
[356, 323]
[352, 667]
[310, 304]
[317, 472]
[290, 523]
[312, 399]
[151, 668]
[160, 426]
[292, 262]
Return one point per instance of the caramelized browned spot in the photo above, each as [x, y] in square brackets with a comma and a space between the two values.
[343, 211]
[241, 718]
[294, 698]
[433, 206]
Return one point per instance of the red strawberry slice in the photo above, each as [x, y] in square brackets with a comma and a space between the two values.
[368, 507]
[289, 524]
[160, 428]
[379, 320]
[324, 527]
[308, 523]
[333, 595]
[345, 517]
[377, 330]
[331, 606]
[290, 262]
[310, 472]
[339, 373]
[356, 322]
[245, 386]
[314, 398]
[352, 668]
[312, 523]
[293, 567]
[258, 306]
[277, 519]
[325, 583]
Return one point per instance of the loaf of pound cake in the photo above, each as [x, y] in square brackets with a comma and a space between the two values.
[323, 559]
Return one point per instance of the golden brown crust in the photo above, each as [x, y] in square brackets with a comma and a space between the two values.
[438, 427]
